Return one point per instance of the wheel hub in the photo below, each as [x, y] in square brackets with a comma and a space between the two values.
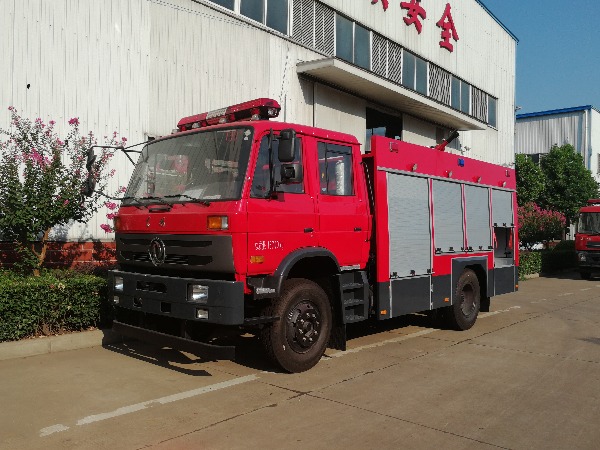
[304, 326]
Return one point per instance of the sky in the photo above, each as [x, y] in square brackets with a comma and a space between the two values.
[558, 54]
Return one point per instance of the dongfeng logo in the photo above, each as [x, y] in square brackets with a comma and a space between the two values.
[157, 251]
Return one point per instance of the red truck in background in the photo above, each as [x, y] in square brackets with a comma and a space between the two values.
[288, 231]
[587, 239]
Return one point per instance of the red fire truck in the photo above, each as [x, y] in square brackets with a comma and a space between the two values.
[587, 239]
[288, 231]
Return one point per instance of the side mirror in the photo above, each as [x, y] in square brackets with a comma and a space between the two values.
[287, 146]
[291, 173]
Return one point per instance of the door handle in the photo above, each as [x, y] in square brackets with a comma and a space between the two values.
[308, 230]
[357, 229]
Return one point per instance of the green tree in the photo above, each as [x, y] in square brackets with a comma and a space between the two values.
[530, 180]
[568, 183]
[42, 181]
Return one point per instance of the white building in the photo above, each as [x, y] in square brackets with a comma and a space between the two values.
[412, 70]
[537, 132]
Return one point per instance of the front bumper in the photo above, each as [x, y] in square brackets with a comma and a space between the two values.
[588, 260]
[205, 350]
[170, 297]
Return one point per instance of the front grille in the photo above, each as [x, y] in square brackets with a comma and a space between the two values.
[185, 252]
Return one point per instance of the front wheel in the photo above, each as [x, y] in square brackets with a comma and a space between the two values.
[585, 275]
[467, 302]
[299, 338]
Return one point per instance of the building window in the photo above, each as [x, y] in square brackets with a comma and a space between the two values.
[272, 13]
[335, 169]
[414, 72]
[492, 105]
[382, 124]
[352, 42]
[465, 97]
[224, 3]
[461, 95]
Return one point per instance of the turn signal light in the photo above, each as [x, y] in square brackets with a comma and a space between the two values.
[218, 223]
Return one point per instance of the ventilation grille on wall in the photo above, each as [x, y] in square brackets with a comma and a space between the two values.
[314, 25]
[386, 58]
[439, 84]
[479, 104]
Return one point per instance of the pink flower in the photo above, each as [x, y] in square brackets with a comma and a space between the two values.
[74, 121]
[11, 108]
[110, 205]
[124, 139]
[106, 227]
[66, 202]
[110, 216]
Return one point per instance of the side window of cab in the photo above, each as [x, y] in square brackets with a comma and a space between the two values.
[261, 182]
[335, 169]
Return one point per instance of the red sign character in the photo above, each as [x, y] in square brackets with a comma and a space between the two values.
[385, 3]
[414, 11]
[448, 29]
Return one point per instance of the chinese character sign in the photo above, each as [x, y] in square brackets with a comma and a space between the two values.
[416, 14]
[385, 3]
[414, 11]
[446, 23]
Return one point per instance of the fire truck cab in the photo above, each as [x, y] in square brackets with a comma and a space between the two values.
[587, 239]
[290, 232]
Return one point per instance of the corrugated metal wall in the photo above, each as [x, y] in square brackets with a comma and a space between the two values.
[581, 129]
[137, 66]
[539, 134]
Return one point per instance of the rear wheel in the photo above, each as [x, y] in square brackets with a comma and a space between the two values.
[299, 338]
[467, 302]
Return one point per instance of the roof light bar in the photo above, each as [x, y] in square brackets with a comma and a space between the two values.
[259, 109]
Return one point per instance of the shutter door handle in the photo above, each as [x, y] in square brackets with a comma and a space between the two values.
[357, 229]
[308, 230]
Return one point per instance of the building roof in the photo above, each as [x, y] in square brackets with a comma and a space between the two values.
[557, 111]
[498, 20]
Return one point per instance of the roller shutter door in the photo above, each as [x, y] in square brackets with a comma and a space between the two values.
[448, 216]
[477, 204]
[502, 208]
[409, 225]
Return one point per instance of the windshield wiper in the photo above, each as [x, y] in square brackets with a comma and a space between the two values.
[202, 202]
[160, 200]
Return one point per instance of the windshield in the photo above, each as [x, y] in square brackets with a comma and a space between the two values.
[204, 166]
[589, 223]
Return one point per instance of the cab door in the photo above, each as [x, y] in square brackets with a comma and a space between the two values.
[341, 205]
[278, 226]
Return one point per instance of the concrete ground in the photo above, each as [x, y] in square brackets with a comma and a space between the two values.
[527, 376]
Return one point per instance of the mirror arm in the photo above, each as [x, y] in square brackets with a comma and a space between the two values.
[271, 166]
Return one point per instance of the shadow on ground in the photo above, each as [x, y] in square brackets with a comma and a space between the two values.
[249, 350]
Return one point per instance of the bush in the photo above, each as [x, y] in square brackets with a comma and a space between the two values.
[530, 262]
[562, 256]
[538, 225]
[51, 303]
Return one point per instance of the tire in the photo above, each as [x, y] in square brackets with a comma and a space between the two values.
[297, 341]
[467, 302]
[585, 275]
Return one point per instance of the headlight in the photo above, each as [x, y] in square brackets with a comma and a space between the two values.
[118, 284]
[201, 313]
[198, 293]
